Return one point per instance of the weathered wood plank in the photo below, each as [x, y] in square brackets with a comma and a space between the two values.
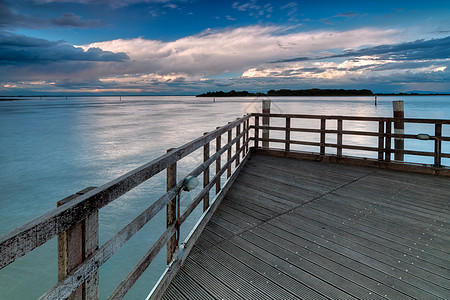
[230, 278]
[393, 220]
[297, 253]
[286, 267]
[248, 268]
[374, 280]
[272, 277]
[214, 287]
[333, 229]
[345, 256]
[190, 287]
[290, 261]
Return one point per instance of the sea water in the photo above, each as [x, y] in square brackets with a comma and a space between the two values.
[53, 147]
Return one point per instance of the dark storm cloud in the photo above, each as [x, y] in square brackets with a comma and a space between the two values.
[417, 50]
[19, 49]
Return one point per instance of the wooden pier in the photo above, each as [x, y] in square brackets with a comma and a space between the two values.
[277, 222]
[299, 229]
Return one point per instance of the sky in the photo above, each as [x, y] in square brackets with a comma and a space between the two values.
[187, 47]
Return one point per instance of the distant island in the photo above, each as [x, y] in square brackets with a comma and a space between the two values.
[316, 92]
[287, 92]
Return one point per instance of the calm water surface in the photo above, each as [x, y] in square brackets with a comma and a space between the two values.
[52, 148]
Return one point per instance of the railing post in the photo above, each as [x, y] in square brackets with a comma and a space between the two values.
[339, 138]
[387, 156]
[218, 161]
[256, 131]
[380, 140]
[322, 136]
[287, 137]
[244, 138]
[247, 127]
[74, 246]
[171, 215]
[229, 154]
[238, 144]
[266, 123]
[437, 145]
[399, 128]
[206, 175]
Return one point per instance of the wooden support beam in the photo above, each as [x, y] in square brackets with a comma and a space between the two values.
[387, 155]
[247, 136]
[229, 153]
[287, 145]
[238, 144]
[380, 140]
[265, 122]
[206, 174]
[339, 137]
[437, 145]
[171, 213]
[322, 135]
[256, 132]
[218, 162]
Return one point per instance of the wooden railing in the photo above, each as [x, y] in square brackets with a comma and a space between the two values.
[75, 220]
[383, 149]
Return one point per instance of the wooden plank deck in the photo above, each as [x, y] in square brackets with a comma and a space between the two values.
[295, 229]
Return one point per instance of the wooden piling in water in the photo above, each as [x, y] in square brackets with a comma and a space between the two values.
[399, 128]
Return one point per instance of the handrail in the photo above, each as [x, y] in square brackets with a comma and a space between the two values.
[384, 134]
[25, 238]
[351, 118]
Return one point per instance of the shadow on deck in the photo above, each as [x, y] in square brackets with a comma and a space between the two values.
[291, 229]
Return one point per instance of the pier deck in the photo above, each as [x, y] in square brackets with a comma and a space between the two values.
[290, 229]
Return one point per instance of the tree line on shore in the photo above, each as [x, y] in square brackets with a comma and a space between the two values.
[288, 92]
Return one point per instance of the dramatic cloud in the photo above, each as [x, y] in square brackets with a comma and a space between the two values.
[239, 57]
[423, 61]
[18, 49]
[420, 49]
[235, 50]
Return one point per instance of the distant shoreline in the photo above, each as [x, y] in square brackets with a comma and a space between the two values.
[312, 93]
